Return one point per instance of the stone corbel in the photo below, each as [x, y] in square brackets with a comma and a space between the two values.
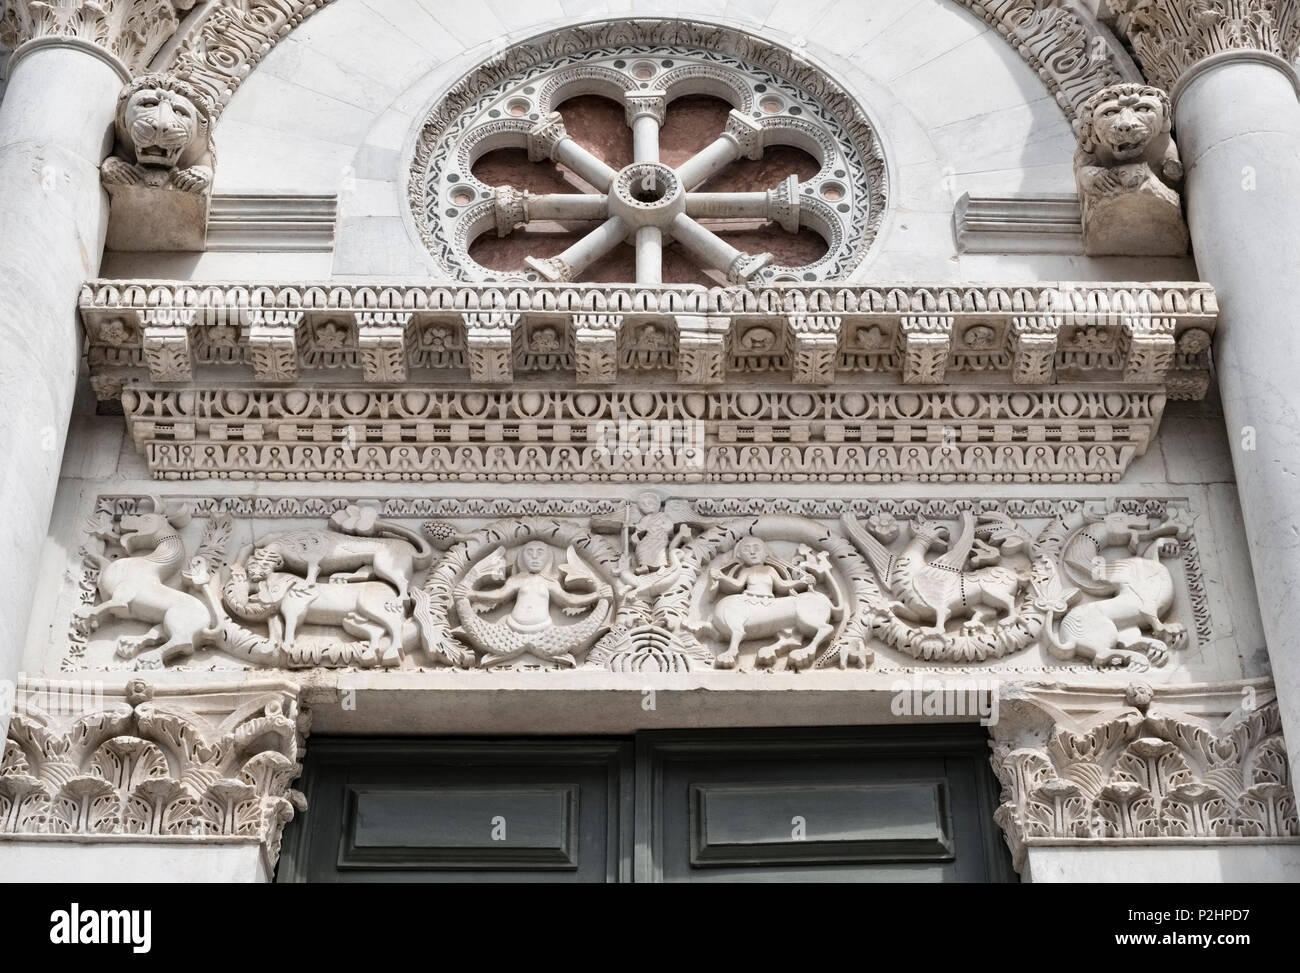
[1034, 349]
[489, 340]
[381, 338]
[816, 340]
[165, 338]
[160, 188]
[1129, 174]
[927, 345]
[157, 764]
[595, 343]
[272, 343]
[702, 349]
[1149, 348]
[1144, 765]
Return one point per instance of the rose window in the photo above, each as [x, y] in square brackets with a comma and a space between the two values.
[648, 163]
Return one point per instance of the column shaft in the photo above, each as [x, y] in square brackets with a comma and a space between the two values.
[56, 125]
[1238, 125]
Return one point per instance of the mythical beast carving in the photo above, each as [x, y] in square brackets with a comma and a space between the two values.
[356, 548]
[164, 138]
[1132, 594]
[140, 587]
[1129, 173]
[764, 596]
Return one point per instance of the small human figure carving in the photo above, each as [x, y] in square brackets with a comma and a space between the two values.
[533, 584]
[765, 596]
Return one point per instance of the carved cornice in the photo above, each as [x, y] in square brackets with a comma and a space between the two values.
[1171, 37]
[130, 32]
[1071, 52]
[153, 763]
[1144, 765]
[163, 332]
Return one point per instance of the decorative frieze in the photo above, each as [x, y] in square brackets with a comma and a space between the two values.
[641, 434]
[1169, 37]
[1141, 765]
[706, 584]
[914, 334]
[152, 763]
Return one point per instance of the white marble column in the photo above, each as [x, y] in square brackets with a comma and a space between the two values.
[1237, 121]
[56, 124]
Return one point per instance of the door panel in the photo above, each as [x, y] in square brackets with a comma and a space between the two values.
[816, 805]
[465, 810]
[749, 805]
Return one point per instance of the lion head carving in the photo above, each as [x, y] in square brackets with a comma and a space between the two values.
[1123, 122]
[164, 135]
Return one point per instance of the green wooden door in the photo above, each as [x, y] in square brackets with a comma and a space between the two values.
[744, 805]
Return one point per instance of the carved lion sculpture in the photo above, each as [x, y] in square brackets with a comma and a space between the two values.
[164, 137]
[1128, 171]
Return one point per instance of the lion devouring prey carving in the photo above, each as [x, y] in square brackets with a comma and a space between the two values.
[164, 138]
[1129, 173]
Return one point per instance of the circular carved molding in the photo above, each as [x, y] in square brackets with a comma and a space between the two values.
[777, 98]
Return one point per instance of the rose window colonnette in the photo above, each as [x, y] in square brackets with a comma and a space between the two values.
[649, 204]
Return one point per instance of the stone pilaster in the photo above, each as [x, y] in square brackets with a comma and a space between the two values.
[194, 768]
[1141, 767]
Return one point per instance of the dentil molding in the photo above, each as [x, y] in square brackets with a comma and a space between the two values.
[88, 762]
[1144, 765]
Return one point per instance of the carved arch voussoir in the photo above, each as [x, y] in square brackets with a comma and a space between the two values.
[1070, 51]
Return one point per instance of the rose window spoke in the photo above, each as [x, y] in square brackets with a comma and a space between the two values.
[648, 204]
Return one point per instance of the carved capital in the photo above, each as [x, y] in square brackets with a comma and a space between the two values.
[510, 207]
[745, 133]
[638, 103]
[130, 32]
[1122, 764]
[545, 137]
[783, 204]
[1169, 37]
[552, 269]
[153, 763]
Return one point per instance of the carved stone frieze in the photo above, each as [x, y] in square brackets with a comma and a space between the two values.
[1169, 37]
[640, 435]
[152, 763]
[250, 582]
[1141, 765]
